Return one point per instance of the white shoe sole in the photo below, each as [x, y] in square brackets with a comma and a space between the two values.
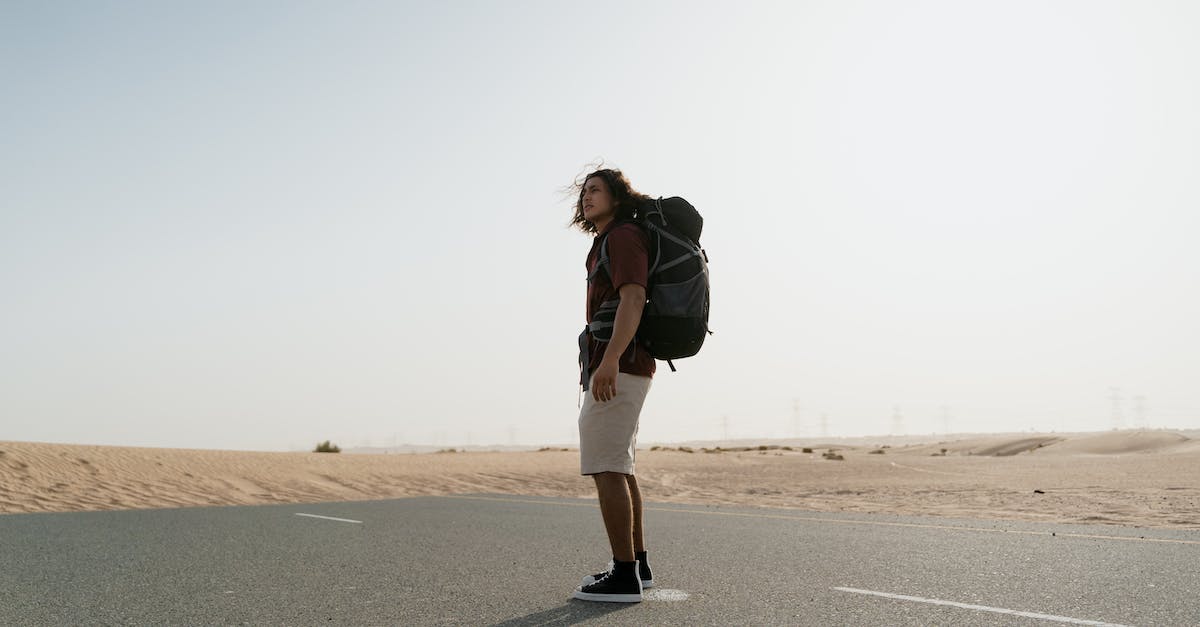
[611, 598]
[589, 580]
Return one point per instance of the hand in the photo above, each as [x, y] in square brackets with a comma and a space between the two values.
[604, 382]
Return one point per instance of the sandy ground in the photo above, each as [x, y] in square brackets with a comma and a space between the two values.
[1149, 478]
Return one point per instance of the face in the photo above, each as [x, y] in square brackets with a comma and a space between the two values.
[597, 200]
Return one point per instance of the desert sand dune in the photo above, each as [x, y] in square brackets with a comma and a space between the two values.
[1121, 443]
[1127, 478]
[1113, 443]
[1014, 447]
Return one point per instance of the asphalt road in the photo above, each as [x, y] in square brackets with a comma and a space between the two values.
[501, 560]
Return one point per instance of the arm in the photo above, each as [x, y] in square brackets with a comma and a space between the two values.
[629, 314]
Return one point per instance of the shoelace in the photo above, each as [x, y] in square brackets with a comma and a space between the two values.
[607, 569]
[596, 579]
[599, 576]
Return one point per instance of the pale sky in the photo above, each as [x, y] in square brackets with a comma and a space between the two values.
[262, 225]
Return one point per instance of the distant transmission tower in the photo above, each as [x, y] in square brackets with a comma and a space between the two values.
[796, 418]
[1139, 410]
[897, 421]
[824, 425]
[1118, 415]
[945, 419]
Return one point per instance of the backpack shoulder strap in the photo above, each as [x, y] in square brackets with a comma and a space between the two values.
[603, 261]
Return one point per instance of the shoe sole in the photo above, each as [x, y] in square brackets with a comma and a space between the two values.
[611, 598]
[589, 580]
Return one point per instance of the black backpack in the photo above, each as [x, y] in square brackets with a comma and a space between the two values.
[675, 319]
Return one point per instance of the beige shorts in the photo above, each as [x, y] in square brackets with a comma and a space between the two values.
[608, 429]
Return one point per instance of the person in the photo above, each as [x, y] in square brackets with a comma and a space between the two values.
[616, 375]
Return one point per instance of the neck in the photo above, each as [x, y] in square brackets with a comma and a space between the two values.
[602, 223]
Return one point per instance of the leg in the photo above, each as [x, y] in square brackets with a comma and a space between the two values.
[635, 496]
[617, 509]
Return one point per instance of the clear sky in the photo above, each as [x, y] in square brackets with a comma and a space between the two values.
[260, 225]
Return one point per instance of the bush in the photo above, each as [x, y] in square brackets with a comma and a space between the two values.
[326, 447]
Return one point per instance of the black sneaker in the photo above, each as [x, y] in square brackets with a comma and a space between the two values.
[619, 585]
[643, 572]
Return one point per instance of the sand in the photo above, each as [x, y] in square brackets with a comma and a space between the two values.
[1133, 478]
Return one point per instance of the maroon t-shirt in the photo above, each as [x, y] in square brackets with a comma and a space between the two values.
[628, 262]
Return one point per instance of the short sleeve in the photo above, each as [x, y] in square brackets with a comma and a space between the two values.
[628, 256]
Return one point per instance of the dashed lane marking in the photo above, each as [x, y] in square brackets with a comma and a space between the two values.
[345, 520]
[982, 608]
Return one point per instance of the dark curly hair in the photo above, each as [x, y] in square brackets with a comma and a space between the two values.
[627, 199]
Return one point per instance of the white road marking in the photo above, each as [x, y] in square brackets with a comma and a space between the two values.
[664, 594]
[982, 608]
[331, 518]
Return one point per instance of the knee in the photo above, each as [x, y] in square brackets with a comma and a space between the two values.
[610, 478]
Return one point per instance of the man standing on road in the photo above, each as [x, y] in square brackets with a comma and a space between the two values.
[615, 372]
